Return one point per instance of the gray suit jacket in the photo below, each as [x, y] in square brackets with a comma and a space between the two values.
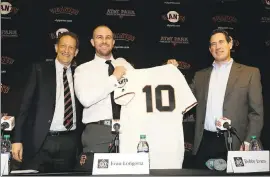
[243, 102]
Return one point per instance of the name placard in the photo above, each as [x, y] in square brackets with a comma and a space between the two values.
[5, 163]
[120, 163]
[248, 161]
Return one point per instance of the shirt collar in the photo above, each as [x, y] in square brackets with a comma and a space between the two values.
[223, 64]
[59, 67]
[102, 59]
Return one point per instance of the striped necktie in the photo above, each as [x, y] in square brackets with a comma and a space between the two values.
[68, 114]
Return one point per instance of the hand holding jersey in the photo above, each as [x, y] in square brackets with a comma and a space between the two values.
[153, 104]
[119, 71]
[120, 67]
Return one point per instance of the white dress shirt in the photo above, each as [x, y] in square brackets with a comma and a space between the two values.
[217, 87]
[58, 117]
[93, 86]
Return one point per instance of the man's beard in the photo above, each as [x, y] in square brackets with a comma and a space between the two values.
[105, 54]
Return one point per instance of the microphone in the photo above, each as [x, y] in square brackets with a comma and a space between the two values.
[4, 125]
[223, 123]
[227, 125]
[116, 125]
[7, 123]
[114, 146]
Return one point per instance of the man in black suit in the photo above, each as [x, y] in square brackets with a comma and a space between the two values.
[48, 127]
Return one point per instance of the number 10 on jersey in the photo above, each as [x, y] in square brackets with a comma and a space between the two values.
[157, 96]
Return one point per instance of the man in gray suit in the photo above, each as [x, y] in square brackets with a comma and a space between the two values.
[226, 89]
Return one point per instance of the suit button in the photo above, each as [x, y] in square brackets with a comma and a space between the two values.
[49, 121]
[202, 123]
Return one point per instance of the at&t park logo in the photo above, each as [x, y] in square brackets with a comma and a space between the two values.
[265, 20]
[172, 2]
[9, 33]
[64, 11]
[121, 13]
[6, 60]
[224, 19]
[7, 10]
[174, 18]
[174, 40]
[4, 88]
[266, 4]
[57, 33]
[125, 38]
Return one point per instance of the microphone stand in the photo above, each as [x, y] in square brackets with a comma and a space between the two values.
[115, 145]
[116, 142]
[229, 139]
[231, 131]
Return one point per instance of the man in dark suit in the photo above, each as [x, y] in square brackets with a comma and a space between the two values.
[226, 89]
[48, 127]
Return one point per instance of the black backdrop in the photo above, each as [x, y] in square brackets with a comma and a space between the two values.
[148, 32]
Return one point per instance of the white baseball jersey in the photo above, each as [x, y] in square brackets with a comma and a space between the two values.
[153, 103]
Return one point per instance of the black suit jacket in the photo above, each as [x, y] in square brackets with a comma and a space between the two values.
[37, 109]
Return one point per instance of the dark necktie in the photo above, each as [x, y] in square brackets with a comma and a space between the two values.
[115, 107]
[68, 114]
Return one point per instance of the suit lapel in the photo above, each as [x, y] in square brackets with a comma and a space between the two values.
[206, 81]
[234, 74]
[50, 74]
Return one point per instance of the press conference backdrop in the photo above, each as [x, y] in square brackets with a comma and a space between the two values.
[147, 33]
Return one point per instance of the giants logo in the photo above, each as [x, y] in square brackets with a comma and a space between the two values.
[266, 4]
[83, 159]
[103, 163]
[224, 18]
[122, 82]
[57, 33]
[6, 60]
[174, 17]
[6, 8]
[238, 161]
[4, 88]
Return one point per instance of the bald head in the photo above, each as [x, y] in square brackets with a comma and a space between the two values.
[103, 41]
[101, 28]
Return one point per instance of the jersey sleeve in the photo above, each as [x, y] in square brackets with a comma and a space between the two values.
[123, 94]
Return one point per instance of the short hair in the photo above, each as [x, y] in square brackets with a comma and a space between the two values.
[219, 30]
[105, 26]
[71, 34]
